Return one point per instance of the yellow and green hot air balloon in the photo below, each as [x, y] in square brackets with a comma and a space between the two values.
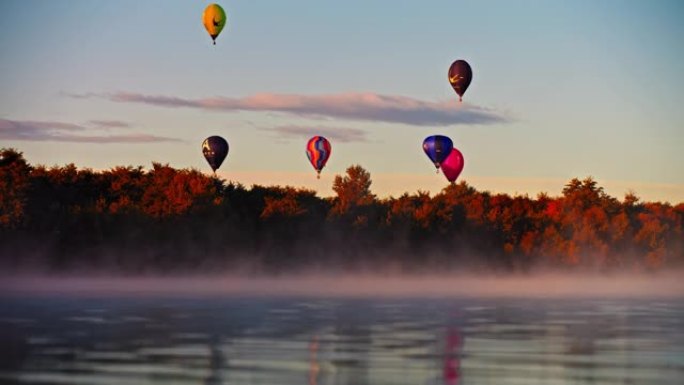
[214, 19]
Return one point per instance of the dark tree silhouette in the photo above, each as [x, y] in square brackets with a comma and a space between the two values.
[170, 220]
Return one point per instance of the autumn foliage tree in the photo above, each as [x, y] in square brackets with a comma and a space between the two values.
[14, 181]
[353, 190]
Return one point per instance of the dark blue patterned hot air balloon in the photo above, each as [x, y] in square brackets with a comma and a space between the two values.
[437, 148]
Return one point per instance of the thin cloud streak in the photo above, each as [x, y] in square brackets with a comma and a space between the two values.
[45, 131]
[109, 124]
[339, 134]
[352, 106]
[29, 125]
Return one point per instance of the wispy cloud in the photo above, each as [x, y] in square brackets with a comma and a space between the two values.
[339, 134]
[45, 131]
[39, 125]
[109, 124]
[353, 106]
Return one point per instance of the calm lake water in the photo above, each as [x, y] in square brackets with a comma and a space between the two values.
[265, 340]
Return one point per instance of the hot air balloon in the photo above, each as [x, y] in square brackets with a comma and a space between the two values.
[215, 149]
[460, 75]
[214, 19]
[453, 165]
[437, 148]
[318, 151]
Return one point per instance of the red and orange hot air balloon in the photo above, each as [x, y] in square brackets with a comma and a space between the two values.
[318, 151]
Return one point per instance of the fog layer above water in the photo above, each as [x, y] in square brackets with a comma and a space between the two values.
[540, 285]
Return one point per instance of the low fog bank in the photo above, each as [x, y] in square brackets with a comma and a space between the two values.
[551, 285]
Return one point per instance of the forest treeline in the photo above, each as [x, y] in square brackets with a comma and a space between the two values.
[181, 220]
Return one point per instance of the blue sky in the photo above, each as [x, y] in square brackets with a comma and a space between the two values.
[560, 89]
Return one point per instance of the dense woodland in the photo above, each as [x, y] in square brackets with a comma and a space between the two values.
[166, 220]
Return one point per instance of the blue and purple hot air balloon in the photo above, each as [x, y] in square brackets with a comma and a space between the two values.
[437, 148]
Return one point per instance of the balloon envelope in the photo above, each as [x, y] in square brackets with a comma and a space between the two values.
[460, 75]
[318, 151]
[437, 148]
[453, 165]
[214, 19]
[215, 150]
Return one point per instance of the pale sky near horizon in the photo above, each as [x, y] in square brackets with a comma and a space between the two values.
[560, 89]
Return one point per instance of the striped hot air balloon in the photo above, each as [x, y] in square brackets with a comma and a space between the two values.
[318, 151]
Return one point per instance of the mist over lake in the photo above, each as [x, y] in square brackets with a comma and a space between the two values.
[559, 329]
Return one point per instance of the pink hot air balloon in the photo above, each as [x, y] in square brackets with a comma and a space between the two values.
[453, 165]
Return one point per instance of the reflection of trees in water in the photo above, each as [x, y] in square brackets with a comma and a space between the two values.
[351, 359]
[15, 349]
[217, 362]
